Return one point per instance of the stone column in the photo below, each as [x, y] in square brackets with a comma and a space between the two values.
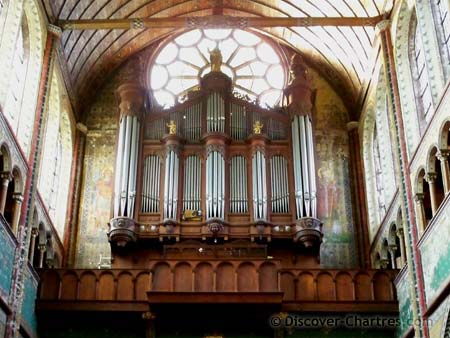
[431, 179]
[401, 236]
[392, 250]
[420, 212]
[34, 233]
[442, 156]
[18, 199]
[6, 177]
[42, 248]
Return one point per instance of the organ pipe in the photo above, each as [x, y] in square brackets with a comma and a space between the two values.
[215, 185]
[304, 167]
[191, 189]
[238, 185]
[150, 184]
[171, 184]
[279, 184]
[259, 186]
[131, 106]
[215, 113]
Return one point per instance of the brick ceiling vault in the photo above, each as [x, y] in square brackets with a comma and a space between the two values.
[344, 53]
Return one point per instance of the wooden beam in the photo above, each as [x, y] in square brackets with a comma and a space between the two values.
[216, 21]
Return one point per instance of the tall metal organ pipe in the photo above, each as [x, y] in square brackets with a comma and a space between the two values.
[304, 167]
[172, 163]
[132, 98]
[259, 178]
[215, 184]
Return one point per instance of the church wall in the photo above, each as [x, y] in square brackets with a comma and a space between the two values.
[402, 284]
[334, 195]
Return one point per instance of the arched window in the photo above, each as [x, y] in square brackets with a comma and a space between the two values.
[253, 65]
[379, 184]
[442, 20]
[57, 158]
[18, 77]
[420, 75]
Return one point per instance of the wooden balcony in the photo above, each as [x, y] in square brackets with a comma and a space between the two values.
[206, 282]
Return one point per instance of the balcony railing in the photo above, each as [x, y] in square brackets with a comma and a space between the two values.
[173, 281]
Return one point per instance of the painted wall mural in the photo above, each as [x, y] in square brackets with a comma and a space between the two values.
[404, 300]
[436, 255]
[438, 319]
[28, 304]
[6, 260]
[334, 195]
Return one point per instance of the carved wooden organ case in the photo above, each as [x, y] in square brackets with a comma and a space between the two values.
[215, 166]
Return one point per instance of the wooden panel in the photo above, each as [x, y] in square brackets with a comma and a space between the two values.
[247, 278]
[183, 277]
[106, 287]
[381, 286]
[306, 289]
[363, 287]
[125, 287]
[344, 287]
[225, 279]
[142, 285]
[51, 291]
[288, 285]
[161, 278]
[325, 287]
[69, 284]
[268, 277]
[88, 286]
[204, 279]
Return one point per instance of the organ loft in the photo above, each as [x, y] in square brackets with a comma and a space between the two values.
[217, 171]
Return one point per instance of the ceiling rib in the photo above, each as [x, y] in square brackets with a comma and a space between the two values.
[216, 21]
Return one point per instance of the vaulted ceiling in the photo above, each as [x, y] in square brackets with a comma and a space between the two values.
[345, 52]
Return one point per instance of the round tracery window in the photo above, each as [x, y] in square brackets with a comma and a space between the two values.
[253, 65]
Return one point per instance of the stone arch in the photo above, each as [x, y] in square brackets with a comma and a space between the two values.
[5, 158]
[444, 136]
[405, 81]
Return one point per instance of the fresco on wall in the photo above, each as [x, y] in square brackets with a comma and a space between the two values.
[404, 303]
[96, 199]
[437, 321]
[28, 304]
[333, 182]
[436, 255]
[6, 260]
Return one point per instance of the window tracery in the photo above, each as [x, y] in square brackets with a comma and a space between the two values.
[254, 66]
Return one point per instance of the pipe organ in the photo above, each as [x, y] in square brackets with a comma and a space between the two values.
[217, 165]
[238, 185]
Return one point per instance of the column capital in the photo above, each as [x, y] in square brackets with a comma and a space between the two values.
[54, 30]
[419, 197]
[42, 247]
[34, 232]
[381, 26]
[132, 98]
[443, 154]
[431, 177]
[392, 248]
[400, 233]
[18, 197]
[352, 125]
